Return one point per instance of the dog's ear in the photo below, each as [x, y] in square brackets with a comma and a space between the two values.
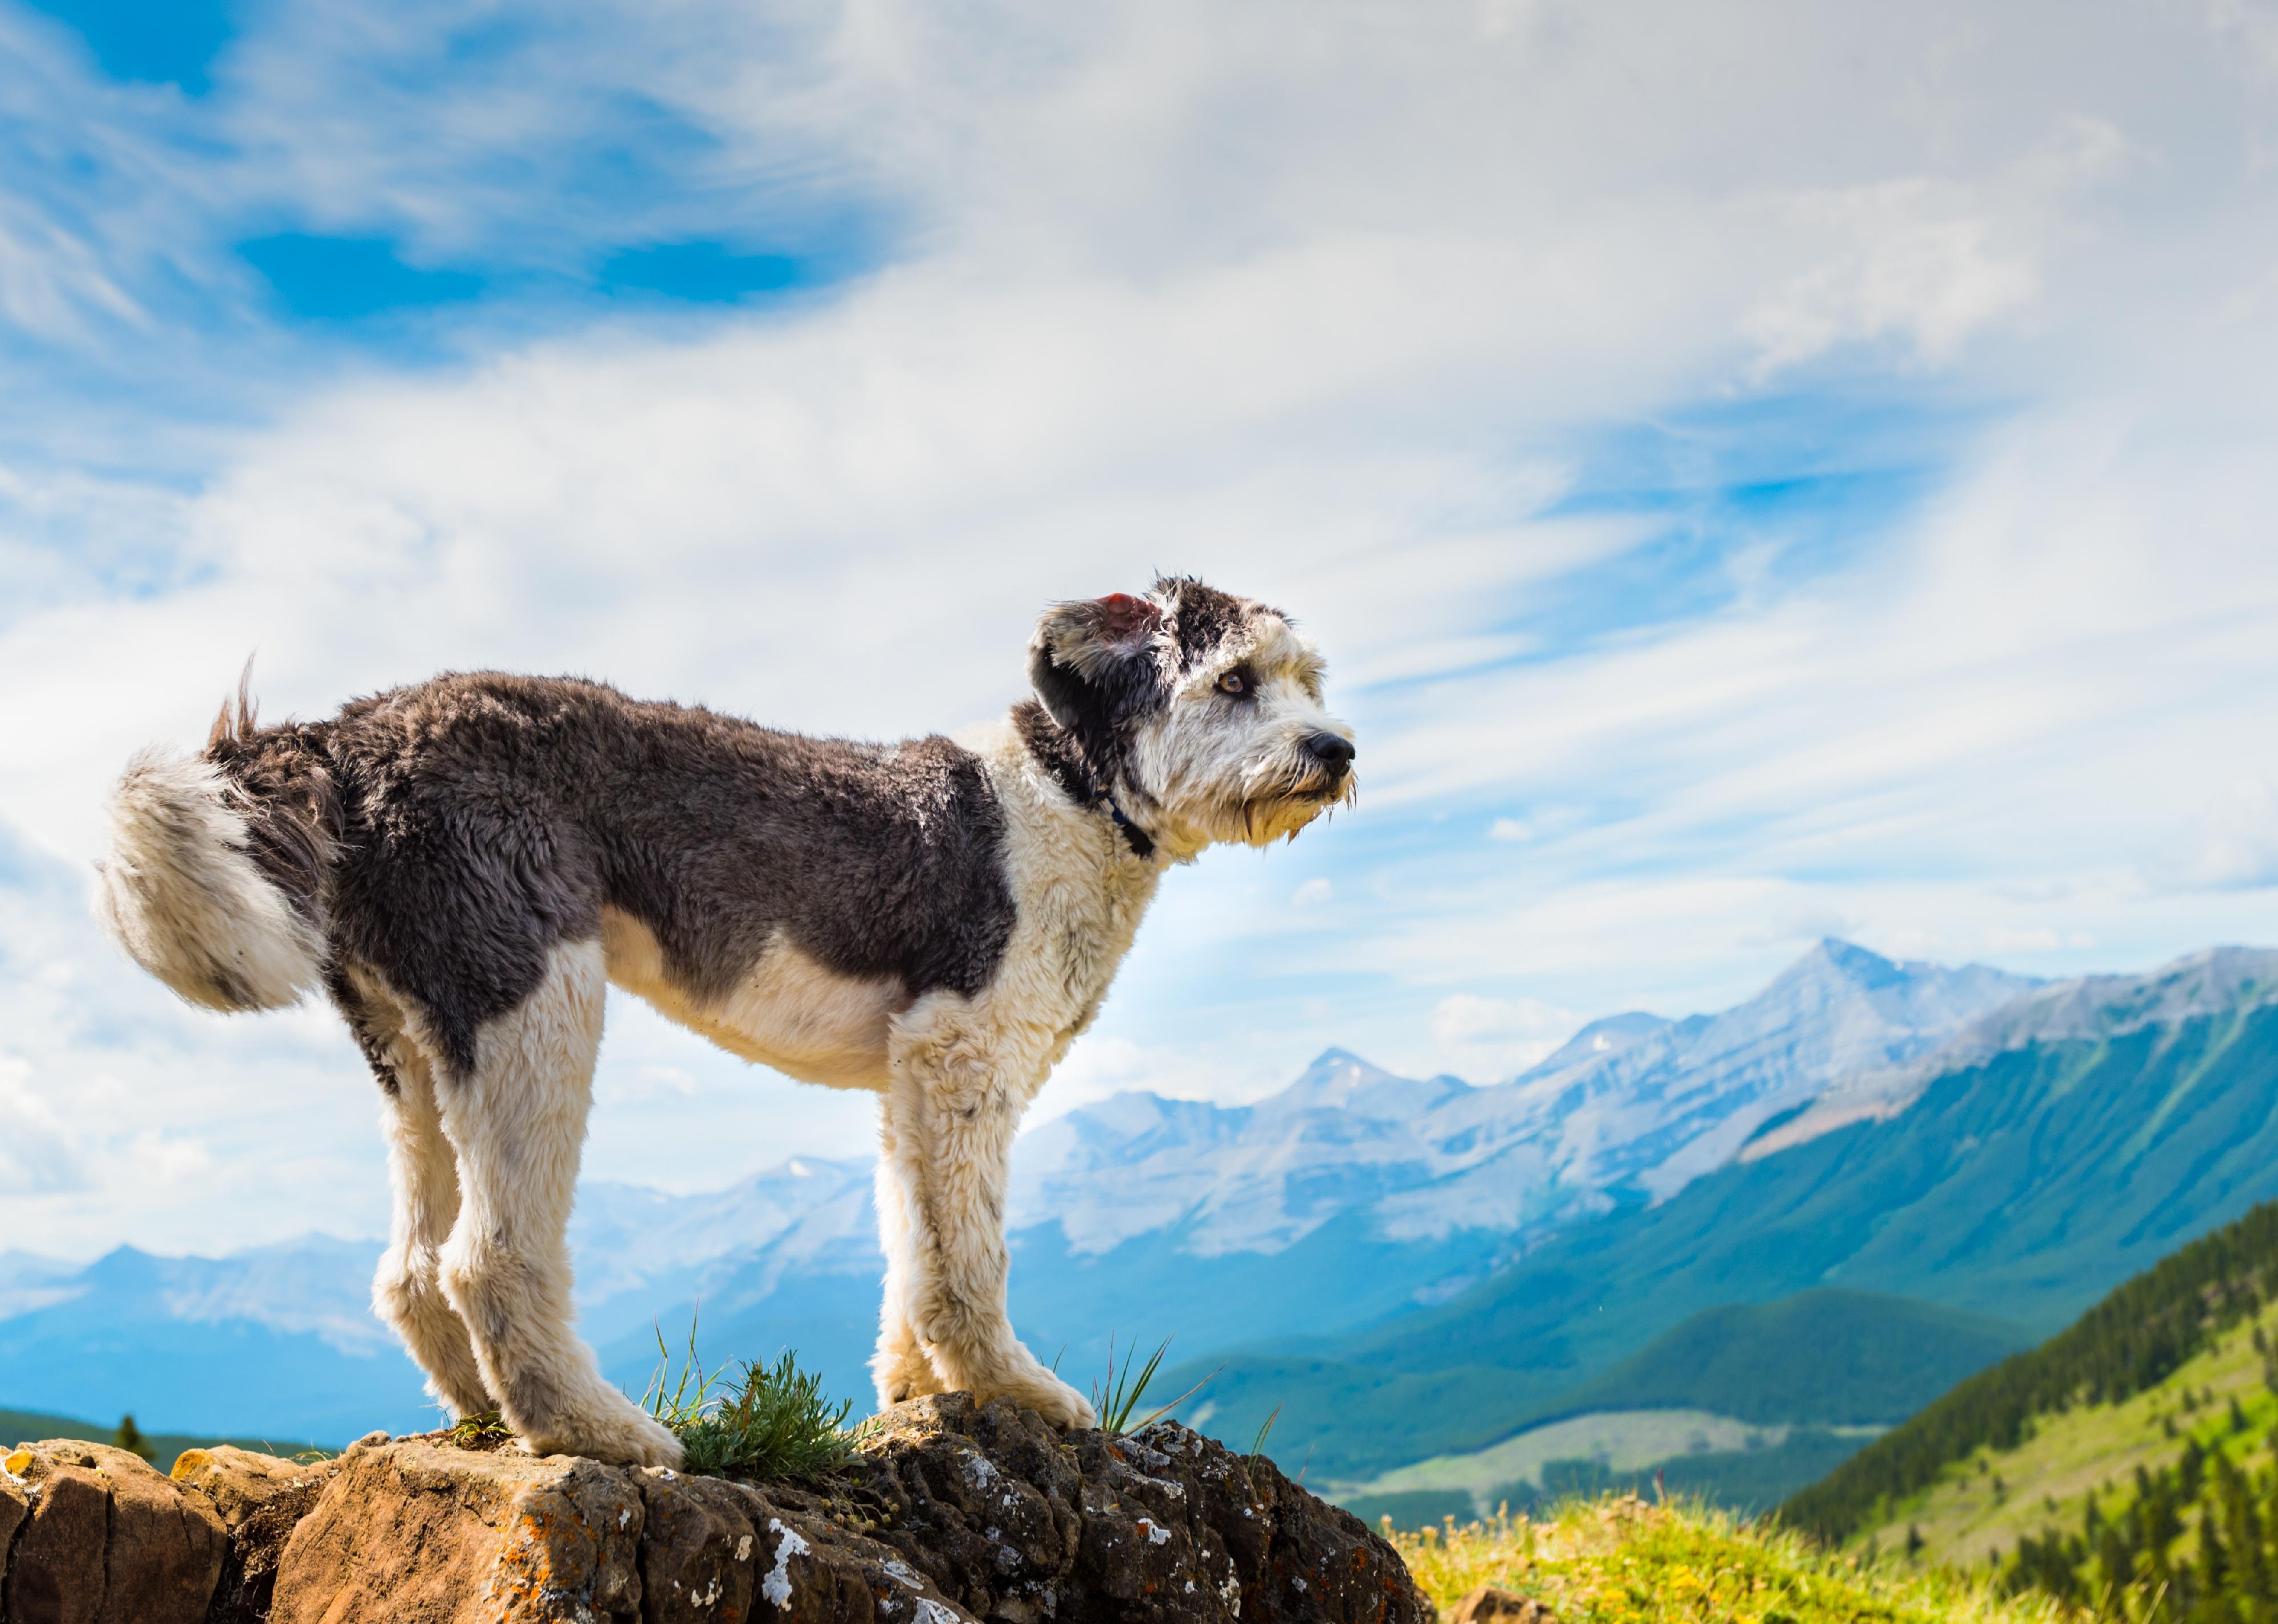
[1093, 660]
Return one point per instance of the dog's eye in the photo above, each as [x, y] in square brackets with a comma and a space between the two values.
[1234, 682]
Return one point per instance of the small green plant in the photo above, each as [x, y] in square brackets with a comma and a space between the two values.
[1119, 1395]
[767, 1421]
[484, 1430]
[1257, 1443]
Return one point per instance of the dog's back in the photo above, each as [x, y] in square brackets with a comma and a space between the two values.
[448, 835]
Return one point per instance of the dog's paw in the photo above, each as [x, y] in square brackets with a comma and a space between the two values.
[1050, 1396]
[903, 1371]
[626, 1438]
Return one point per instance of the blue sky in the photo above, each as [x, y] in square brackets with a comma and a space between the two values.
[1754, 473]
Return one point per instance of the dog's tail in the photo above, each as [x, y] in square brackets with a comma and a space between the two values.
[216, 878]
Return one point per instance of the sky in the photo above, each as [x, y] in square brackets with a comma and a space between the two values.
[1756, 472]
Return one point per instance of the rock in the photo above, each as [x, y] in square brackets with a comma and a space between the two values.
[108, 1541]
[260, 1498]
[240, 1482]
[950, 1514]
[1488, 1605]
[422, 1530]
[1019, 1523]
[15, 1507]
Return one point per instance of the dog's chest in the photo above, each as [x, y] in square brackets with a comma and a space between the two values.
[1078, 913]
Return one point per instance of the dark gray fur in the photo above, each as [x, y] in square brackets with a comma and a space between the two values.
[476, 821]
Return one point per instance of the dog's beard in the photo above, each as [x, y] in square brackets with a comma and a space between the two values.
[1288, 802]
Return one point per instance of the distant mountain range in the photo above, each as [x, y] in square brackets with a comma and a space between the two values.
[2053, 1147]
[1407, 1267]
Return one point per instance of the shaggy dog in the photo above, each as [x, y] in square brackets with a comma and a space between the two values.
[463, 865]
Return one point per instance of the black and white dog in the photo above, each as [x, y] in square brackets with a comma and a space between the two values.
[461, 865]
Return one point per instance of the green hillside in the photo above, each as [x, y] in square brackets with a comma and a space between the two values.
[1711, 1409]
[1826, 1356]
[2137, 1339]
[30, 1426]
[2017, 1507]
[2020, 1187]
[2145, 1500]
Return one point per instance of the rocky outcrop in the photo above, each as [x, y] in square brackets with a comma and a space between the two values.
[99, 1537]
[949, 1514]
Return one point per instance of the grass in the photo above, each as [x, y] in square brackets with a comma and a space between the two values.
[763, 1422]
[1117, 1397]
[485, 1432]
[1623, 1561]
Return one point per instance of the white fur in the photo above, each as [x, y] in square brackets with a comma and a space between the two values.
[407, 1292]
[963, 1071]
[790, 1013]
[517, 1126]
[1212, 771]
[179, 894]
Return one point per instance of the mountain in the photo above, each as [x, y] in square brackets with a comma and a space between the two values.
[279, 1342]
[2032, 1169]
[1350, 1199]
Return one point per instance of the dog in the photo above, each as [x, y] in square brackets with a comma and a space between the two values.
[463, 865]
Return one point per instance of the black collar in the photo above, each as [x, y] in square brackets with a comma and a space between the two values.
[1142, 844]
[1056, 751]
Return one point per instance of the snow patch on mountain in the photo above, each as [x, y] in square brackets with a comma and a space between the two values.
[2224, 980]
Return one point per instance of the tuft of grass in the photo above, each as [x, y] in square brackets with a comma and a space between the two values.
[1119, 1395]
[485, 1430]
[763, 1422]
[1257, 1443]
[1619, 1560]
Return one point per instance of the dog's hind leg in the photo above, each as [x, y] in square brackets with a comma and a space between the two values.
[959, 1083]
[518, 1123]
[407, 1291]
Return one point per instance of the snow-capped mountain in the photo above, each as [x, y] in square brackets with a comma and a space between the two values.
[1635, 1106]
[2229, 981]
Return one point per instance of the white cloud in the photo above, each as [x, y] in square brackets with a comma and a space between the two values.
[1487, 1040]
[2238, 839]
[37, 1155]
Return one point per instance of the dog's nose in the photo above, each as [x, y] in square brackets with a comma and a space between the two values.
[1331, 751]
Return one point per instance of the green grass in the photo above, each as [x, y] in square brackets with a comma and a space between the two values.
[1619, 1560]
[768, 1422]
[1733, 1465]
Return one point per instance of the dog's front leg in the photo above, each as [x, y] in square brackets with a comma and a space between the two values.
[959, 1085]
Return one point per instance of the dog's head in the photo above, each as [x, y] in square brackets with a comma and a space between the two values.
[1200, 712]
